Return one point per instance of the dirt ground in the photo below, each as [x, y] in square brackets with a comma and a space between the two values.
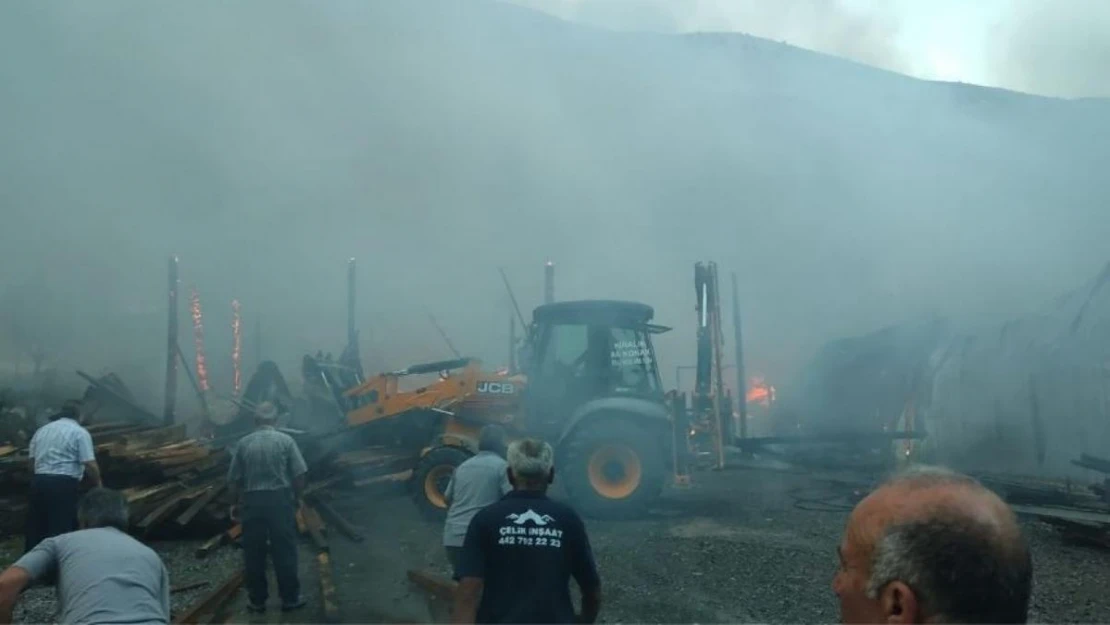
[741, 545]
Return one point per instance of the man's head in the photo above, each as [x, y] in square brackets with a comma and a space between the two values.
[266, 414]
[102, 507]
[933, 546]
[71, 409]
[531, 464]
[492, 438]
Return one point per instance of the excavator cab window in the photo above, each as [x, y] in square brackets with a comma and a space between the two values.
[595, 360]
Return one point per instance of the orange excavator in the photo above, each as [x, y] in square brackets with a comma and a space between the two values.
[588, 384]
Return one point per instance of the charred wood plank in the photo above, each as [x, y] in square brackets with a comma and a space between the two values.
[188, 587]
[314, 525]
[327, 588]
[337, 520]
[213, 601]
[433, 584]
[219, 540]
[213, 491]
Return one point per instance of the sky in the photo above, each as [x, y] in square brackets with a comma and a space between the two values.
[1049, 47]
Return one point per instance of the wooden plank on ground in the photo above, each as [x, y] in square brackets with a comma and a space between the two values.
[327, 588]
[315, 527]
[219, 540]
[433, 584]
[7, 449]
[213, 601]
[337, 520]
[402, 476]
[199, 504]
[317, 486]
[187, 587]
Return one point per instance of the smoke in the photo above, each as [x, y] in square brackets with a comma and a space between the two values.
[1054, 48]
[829, 26]
[266, 142]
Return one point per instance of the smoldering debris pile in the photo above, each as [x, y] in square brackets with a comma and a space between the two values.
[169, 479]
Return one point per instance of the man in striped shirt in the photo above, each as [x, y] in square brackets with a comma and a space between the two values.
[60, 454]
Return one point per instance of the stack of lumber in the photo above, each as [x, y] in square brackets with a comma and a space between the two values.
[169, 480]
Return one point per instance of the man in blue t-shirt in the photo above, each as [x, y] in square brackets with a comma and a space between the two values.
[520, 553]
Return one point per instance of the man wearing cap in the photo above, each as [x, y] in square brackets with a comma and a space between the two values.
[61, 454]
[267, 478]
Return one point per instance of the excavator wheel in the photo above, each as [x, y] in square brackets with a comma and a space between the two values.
[430, 479]
[613, 468]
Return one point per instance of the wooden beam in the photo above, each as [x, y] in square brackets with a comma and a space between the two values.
[315, 527]
[213, 601]
[219, 540]
[433, 584]
[343, 525]
[327, 588]
[213, 491]
[187, 587]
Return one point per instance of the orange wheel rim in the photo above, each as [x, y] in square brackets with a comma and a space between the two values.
[615, 471]
[435, 483]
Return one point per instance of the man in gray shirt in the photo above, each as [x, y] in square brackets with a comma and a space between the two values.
[476, 483]
[267, 471]
[104, 575]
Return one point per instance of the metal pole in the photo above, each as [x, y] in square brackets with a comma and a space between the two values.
[549, 283]
[512, 345]
[257, 341]
[352, 335]
[741, 380]
[170, 393]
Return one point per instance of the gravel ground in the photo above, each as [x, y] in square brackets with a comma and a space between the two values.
[738, 546]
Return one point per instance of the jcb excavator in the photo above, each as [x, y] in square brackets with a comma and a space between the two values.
[588, 384]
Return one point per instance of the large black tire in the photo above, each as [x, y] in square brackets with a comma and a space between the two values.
[613, 468]
[430, 479]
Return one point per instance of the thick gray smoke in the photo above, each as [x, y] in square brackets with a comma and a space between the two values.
[267, 142]
[1055, 48]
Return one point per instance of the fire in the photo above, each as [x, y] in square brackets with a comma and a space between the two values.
[760, 392]
[236, 345]
[198, 340]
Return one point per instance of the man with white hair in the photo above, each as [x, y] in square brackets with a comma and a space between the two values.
[520, 552]
[933, 546]
[104, 575]
[267, 472]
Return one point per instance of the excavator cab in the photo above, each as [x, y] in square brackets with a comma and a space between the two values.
[594, 392]
[586, 350]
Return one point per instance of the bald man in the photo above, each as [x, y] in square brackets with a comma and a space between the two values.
[933, 546]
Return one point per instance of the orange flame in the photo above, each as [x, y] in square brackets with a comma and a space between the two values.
[760, 392]
[198, 340]
[236, 347]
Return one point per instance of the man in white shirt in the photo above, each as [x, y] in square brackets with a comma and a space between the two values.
[60, 453]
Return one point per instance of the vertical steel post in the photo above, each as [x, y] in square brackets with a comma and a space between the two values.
[170, 393]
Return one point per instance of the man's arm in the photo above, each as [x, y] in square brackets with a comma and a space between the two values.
[297, 469]
[506, 485]
[12, 582]
[471, 572]
[449, 492]
[33, 565]
[584, 570]
[87, 455]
